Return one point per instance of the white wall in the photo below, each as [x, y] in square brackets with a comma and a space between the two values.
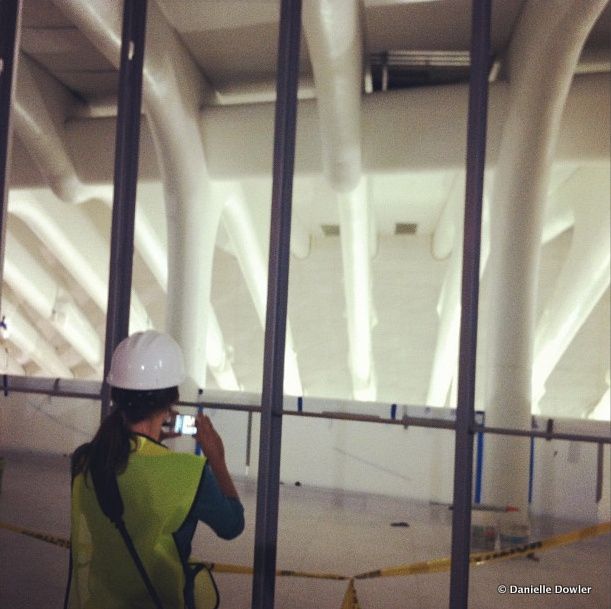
[44, 424]
[565, 474]
[347, 455]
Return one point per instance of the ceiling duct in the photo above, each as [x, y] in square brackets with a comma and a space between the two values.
[402, 69]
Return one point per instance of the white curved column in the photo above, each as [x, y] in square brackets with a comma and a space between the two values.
[542, 58]
[39, 132]
[333, 33]
[40, 128]
[173, 91]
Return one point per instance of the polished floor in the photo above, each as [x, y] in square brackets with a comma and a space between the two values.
[319, 531]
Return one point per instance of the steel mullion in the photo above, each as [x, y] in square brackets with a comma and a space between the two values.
[476, 159]
[125, 182]
[10, 21]
[268, 484]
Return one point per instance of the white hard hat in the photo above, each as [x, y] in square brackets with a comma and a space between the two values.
[147, 360]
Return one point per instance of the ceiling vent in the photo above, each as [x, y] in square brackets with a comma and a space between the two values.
[330, 230]
[405, 228]
[403, 69]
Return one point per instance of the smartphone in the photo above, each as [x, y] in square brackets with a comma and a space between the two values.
[185, 424]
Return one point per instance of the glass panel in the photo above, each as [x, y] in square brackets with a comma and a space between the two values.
[374, 282]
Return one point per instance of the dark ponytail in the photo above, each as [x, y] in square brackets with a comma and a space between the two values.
[108, 452]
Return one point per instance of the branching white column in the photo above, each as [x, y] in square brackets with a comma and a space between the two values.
[447, 240]
[44, 139]
[584, 278]
[173, 91]
[333, 32]
[541, 61]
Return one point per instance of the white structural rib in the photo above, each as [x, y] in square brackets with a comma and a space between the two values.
[34, 284]
[547, 41]
[41, 130]
[584, 277]
[602, 409]
[8, 364]
[248, 248]
[333, 33]
[31, 343]
[76, 243]
[447, 240]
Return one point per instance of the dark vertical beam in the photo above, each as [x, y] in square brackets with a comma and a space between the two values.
[476, 159]
[10, 11]
[479, 461]
[127, 144]
[266, 530]
[531, 470]
[600, 470]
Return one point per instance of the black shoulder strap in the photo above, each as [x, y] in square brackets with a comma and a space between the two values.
[109, 498]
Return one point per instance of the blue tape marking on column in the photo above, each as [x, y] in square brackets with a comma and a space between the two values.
[300, 404]
[480, 418]
[531, 470]
[393, 411]
[198, 448]
[478, 467]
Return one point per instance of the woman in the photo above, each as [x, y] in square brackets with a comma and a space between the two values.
[128, 488]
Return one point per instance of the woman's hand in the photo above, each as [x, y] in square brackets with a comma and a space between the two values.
[209, 439]
[213, 448]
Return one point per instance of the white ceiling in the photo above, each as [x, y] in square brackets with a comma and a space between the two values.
[409, 182]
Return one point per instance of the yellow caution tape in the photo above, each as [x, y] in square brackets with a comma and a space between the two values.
[306, 574]
[443, 564]
[350, 599]
[241, 569]
[62, 542]
[56, 541]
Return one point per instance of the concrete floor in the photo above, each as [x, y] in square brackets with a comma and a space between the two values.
[320, 531]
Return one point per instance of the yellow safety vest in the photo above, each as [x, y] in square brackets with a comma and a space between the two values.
[158, 488]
